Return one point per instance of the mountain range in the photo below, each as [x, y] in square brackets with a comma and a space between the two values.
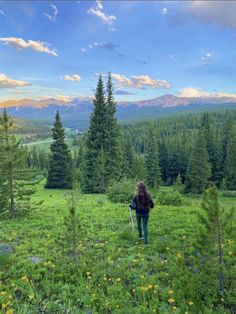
[75, 112]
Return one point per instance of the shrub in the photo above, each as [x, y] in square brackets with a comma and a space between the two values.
[170, 197]
[121, 192]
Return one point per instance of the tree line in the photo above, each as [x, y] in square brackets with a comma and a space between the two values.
[196, 150]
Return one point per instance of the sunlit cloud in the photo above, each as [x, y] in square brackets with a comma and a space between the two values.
[192, 92]
[74, 77]
[7, 82]
[52, 17]
[98, 11]
[141, 81]
[21, 44]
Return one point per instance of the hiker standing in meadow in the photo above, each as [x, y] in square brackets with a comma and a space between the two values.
[142, 203]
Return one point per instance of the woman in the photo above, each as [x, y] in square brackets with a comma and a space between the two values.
[142, 203]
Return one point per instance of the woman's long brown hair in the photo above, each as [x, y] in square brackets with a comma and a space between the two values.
[143, 197]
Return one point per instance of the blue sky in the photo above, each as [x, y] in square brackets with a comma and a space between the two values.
[152, 48]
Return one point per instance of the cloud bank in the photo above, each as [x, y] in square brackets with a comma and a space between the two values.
[21, 44]
[141, 81]
[7, 82]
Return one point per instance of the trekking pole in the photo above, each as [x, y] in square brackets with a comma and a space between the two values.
[131, 218]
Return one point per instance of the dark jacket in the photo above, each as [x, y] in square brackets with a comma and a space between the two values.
[142, 209]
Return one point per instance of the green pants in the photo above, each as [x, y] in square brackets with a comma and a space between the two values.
[144, 218]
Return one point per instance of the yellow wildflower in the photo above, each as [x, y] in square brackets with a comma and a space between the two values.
[171, 300]
[10, 311]
[3, 293]
[190, 303]
[170, 291]
[150, 286]
[118, 279]
[24, 278]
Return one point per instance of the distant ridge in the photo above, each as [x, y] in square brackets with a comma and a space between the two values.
[75, 112]
[165, 101]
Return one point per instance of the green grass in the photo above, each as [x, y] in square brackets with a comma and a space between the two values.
[115, 272]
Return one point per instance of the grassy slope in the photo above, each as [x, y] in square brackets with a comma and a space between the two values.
[115, 273]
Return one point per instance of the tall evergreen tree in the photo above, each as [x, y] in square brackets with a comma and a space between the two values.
[60, 166]
[94, 173]
[127, 158]
[230, 162]
[15, 189]
[198, 172]
[112, 145]
[151, 160]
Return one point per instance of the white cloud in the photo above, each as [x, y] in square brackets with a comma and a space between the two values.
[52, 17]
[206, 58]
[192, 92]
[83, 49]
[222, 13]
[164, 11]
[7, 82]
[2, 13]
[99, 12]
[20, 43]
[106, 45]
[74, 77]
[141, 81]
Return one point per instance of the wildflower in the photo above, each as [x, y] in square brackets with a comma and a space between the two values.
[156, 286]
[230, 253]
[4, 305]
[222, 299]
[118, 279]
[190, 303]
[150, 286]
[144, 288]
[10, 311]
[24, 278]
[3, 293]
[174, 308]
[171, 300]
[142, 277]
[178, 255]
[170, 291]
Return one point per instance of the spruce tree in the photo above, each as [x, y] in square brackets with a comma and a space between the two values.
[112, 145]
[16, 182]
[127, 159]
[94, 178]
[60, 166]
[73, 226]
[198, 172]
[152, 160]
[230, 162]
[217, 224]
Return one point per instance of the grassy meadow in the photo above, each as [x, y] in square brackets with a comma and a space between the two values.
[115, 272]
